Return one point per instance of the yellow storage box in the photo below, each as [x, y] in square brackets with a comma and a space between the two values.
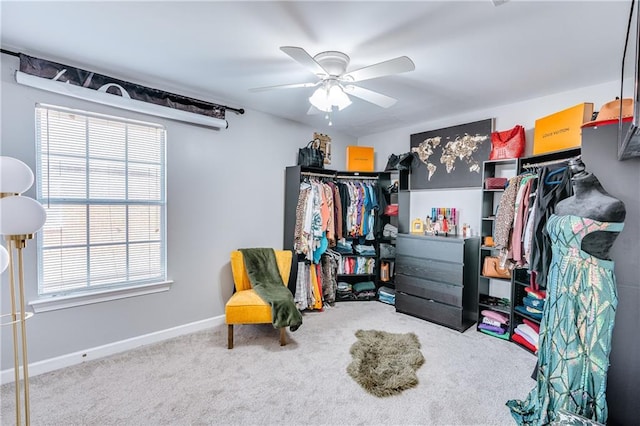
[561, 130]
[359, 158]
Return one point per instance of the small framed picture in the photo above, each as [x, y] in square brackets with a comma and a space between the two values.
[417, 227]
[325, 146]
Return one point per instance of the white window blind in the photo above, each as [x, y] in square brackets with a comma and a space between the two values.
[102, 182]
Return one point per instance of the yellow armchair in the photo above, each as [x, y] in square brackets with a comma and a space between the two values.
[245, 306]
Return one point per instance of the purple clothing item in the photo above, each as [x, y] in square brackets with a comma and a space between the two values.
[498, 330]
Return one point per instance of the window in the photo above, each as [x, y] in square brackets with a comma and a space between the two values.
[102, 182]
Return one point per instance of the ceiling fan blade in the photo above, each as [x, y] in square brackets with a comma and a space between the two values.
[375, 98]
[284, 86]
[392, 66]
[303, 58]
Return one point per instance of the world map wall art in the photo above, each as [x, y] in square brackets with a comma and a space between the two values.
[451, 157]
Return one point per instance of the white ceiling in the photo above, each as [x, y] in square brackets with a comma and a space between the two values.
[469, 55]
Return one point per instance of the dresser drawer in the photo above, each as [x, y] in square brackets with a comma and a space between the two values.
[432, 270]
[440, 249]
[444, 293]
[449, 316]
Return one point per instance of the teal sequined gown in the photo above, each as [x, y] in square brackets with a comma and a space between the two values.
[576, 328]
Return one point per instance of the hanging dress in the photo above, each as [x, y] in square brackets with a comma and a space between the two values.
[576, 328]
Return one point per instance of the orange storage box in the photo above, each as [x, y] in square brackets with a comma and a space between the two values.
[359, 158]
[561, 130]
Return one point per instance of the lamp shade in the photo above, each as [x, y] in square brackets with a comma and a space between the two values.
[320, 99]
[4, 259]
[15, 176]
[21, 215]
[328, 96]
[338, 98]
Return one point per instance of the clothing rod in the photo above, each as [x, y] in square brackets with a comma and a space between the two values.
[357, 177]
[236, 110]
[317, 174]
[549, 163]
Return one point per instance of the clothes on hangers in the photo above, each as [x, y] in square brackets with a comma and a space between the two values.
[521, 216]
[332, 213]
[504, 215]
[548, 195]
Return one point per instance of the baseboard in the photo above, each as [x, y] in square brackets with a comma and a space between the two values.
[51, 364]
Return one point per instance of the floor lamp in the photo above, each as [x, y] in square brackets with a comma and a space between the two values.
[20, 218]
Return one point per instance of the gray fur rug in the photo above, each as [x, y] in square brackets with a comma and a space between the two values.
[385, 363]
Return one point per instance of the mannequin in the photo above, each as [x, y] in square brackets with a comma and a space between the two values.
[590, 200]
[579, 311]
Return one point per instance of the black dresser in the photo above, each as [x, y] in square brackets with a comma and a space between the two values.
[437, 279]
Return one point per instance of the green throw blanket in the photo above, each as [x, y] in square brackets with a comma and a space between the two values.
[266, 280]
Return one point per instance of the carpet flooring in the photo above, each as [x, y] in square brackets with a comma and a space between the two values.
[194, 379]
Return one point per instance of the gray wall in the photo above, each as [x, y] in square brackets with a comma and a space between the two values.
[467, 200]
[225, 190]
[621, 179]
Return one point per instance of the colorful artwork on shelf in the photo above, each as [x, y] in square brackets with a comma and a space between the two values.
[451, 157]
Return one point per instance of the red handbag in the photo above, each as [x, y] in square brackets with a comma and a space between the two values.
[507, 144]
[391, 210]
[495, 183]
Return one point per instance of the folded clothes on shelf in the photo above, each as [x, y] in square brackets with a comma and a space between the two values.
[491, 321]
[535, 327]
[391, 300]
[387, 251]
[344, 247]
[365, 249]
[538, 294]
[364, 286]
[504, 336]
[527, 332]
[523, 310]
[500, 317]
[344, 287]
[495, 301]
[518, 338]
[389, 231]
[531, 310]
[387, 291]
[365, 295]
[497, 330]
[533, 302]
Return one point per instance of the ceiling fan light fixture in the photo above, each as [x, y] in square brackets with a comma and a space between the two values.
[320, 99]
[338, 98]
[325, 98]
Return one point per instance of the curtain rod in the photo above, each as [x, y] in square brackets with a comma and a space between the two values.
[236, 110]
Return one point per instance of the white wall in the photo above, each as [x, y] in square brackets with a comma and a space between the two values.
[468, 201]
[225, 191]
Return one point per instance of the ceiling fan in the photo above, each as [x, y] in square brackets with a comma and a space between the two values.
[335, 83]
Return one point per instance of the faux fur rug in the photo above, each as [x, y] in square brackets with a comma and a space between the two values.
[384, 363]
